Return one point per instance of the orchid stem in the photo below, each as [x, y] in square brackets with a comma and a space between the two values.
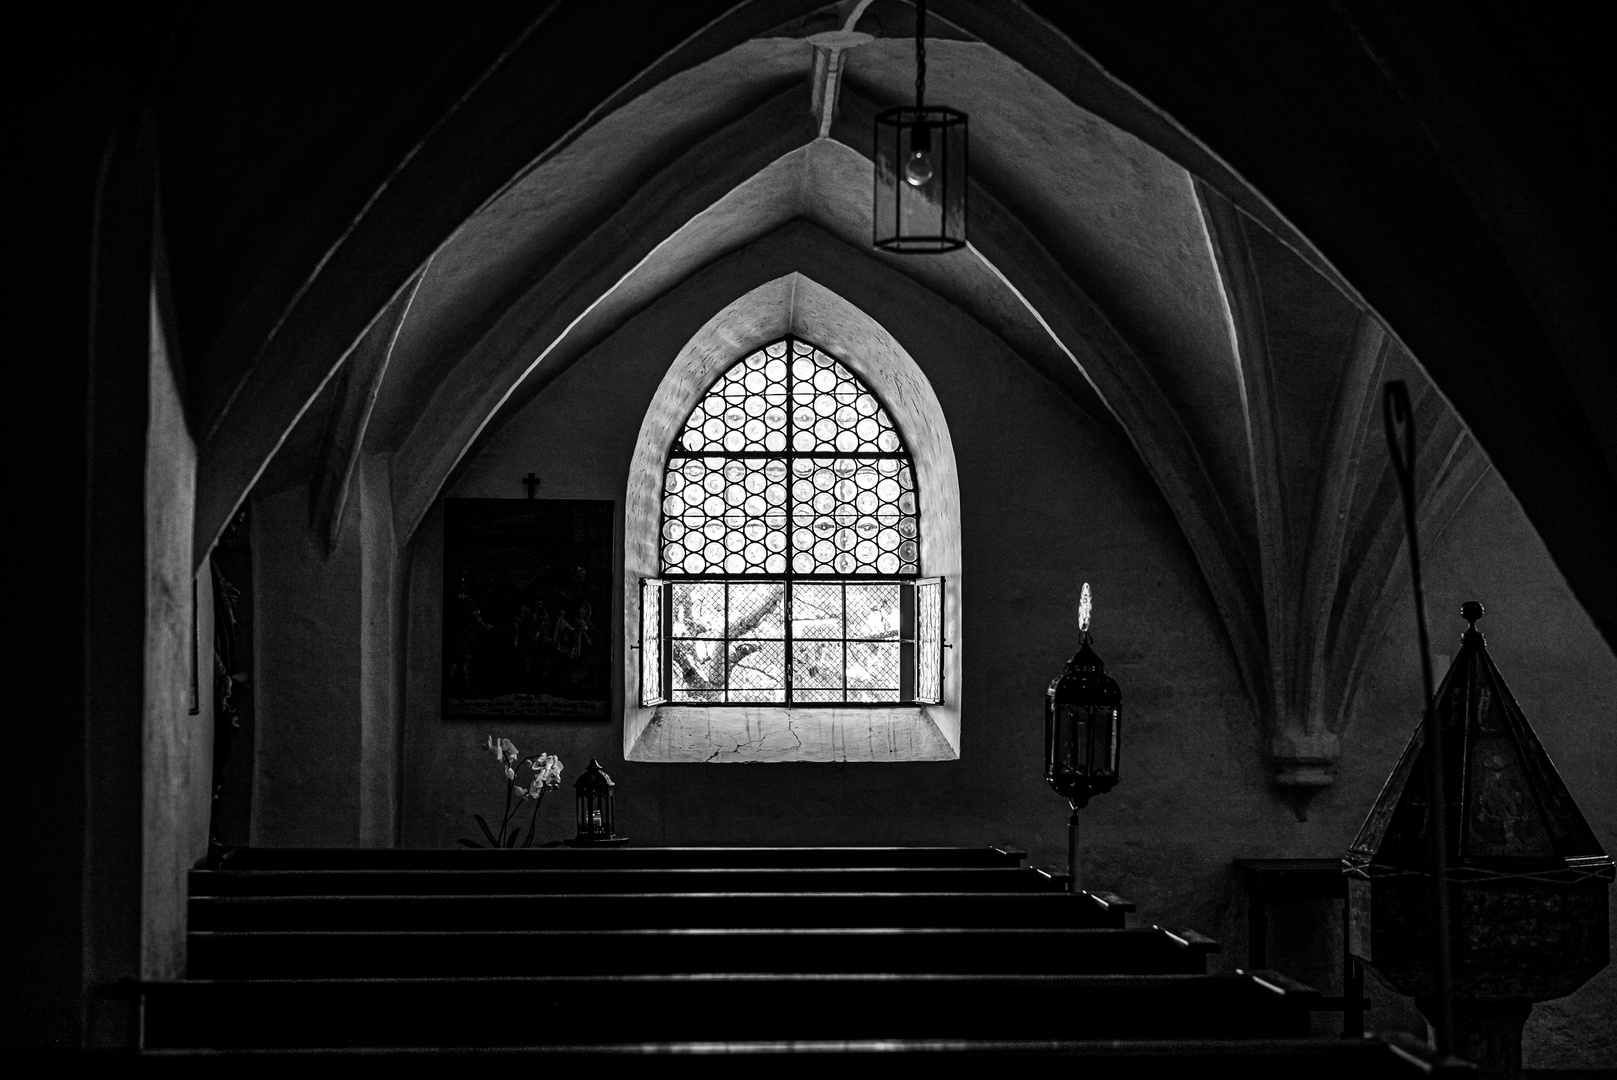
[533, 821]
[500, 840]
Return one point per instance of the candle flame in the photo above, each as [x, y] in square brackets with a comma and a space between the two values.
[1084, 605]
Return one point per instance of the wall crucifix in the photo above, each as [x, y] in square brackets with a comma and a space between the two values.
[531, 482]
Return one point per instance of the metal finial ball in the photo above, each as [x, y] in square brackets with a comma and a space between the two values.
[1471, 611]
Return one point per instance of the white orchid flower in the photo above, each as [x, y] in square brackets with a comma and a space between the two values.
[547, 768]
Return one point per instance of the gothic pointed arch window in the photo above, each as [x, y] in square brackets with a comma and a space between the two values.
[790, 546]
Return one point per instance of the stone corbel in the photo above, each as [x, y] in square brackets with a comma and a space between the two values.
[1305, 757]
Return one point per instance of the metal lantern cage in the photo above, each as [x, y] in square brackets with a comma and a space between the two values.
[1082, 720]
[594, 792]
[920, 203]
[1082, 723]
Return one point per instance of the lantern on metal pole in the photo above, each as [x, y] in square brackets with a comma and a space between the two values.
[1082, 715]
[920, 201]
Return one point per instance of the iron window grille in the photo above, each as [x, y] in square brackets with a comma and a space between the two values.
[790, 547]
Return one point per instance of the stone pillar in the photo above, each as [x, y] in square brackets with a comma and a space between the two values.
[306, 658]
[327, 671]
[177, 715]
[381, 655]
[145, 756]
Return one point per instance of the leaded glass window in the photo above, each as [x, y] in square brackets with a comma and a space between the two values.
[789, 461]
[790, 545]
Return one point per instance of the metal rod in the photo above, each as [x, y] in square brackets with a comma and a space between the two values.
[1352, 983]
[920, 54]
[1075, 885]
[1399, 420]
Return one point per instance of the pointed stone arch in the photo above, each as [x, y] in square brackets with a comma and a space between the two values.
[794, 304]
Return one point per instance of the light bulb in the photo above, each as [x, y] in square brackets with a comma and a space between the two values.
[918, 168]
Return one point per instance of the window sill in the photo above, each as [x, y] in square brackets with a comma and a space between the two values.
[764, 733]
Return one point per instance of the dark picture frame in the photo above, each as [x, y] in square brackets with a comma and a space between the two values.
[527, 609]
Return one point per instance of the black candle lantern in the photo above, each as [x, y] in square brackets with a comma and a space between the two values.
[594, 790]
[1082, 718]
[920, 203]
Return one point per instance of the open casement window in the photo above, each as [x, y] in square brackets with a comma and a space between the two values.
[849, 642]
[653, 668]
[790, 547]
[929, 641]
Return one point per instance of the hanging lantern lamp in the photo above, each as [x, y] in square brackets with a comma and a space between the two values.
[920, 204]
[1082, 719]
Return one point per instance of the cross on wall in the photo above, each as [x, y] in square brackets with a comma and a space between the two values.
[531, 482]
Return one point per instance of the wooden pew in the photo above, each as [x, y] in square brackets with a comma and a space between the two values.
[654, 910]
[736, 956]
[1393, 1058]
[626, 858]
[560, 1009]
[238, 954]
[535, 881]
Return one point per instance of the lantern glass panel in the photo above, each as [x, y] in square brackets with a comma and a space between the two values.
[591, 818]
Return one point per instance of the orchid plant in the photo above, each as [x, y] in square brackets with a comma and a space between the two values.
[545, 770]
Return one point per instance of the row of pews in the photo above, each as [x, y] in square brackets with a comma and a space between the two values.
[793, 958]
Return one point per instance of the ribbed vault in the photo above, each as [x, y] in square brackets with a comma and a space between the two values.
[1176, 309]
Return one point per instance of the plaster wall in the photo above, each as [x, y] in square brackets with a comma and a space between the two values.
[177, 721]
[308, 772]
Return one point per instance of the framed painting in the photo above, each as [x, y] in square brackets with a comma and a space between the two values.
[527, 600]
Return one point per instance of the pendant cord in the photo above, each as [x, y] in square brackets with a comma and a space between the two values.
[920, 54]
[1398, 418]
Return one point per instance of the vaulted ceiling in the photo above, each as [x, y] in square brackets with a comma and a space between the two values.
[481, 200]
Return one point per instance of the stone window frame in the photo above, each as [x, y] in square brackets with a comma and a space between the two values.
[795, 305]
[755, 555]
